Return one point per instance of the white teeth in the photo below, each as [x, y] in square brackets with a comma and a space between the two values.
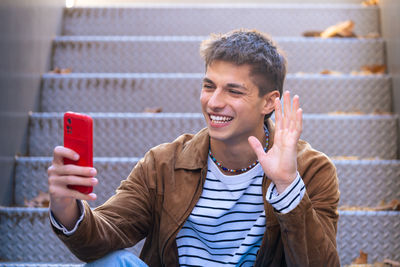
[220, 119]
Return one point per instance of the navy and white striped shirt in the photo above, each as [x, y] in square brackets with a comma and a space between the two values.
[227, 224]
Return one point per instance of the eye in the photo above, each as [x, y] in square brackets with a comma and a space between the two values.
[236, 92]
[208, 86]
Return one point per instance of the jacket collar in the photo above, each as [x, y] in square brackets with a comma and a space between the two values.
[194, 153]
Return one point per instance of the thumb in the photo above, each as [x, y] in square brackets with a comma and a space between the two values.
[256, 146]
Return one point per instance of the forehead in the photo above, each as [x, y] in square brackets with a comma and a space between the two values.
[226, 72]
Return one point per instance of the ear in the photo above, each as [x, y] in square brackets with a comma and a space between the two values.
[269, 101]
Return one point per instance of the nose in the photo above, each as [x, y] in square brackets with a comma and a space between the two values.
[217, 99]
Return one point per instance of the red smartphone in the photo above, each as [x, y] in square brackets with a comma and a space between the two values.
[78, 136]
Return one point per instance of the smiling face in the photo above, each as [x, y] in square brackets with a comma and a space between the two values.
[231, 103]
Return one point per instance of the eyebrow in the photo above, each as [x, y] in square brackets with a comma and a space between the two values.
[230, 85]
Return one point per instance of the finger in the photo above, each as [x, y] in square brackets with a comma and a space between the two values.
[256, 146]
[75, 180]
[293, 114]
[71, 169]
[286, 109]
[61, 152]
[299, 121]
[278, 114]
[295, 107]
[64, 181]
[65, 192]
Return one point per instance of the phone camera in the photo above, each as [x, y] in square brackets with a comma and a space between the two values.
[69, 121]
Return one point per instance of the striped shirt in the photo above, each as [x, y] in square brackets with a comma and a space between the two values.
[227, 225]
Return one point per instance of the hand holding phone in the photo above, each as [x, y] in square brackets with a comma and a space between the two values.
[78, 136]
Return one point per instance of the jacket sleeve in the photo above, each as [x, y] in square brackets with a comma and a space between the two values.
[309, 231]
[120, 222]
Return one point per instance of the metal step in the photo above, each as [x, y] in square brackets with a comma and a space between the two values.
[171, 54]
[356, 177]
[275, 19]
[133, 134]
[25, 233]
[177, 92]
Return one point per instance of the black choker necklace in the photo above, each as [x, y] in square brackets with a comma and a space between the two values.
[244, 169]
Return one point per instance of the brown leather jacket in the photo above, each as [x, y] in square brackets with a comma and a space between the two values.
[163, 188]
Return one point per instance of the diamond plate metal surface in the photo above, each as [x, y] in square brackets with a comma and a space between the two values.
[275, 19]
[28, 230]
[31, 176]
[356, 177]
[170, 54]
[181, 92]
[376, 233]
[368, 182]
[133, 134]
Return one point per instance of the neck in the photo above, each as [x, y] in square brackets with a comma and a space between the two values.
[235, 155]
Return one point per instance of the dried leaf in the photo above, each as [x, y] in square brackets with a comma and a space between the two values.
[61, 71]
[374, 69]
[342, 29]
[371, 35]
[153, 110]
[345, 158]
[393, 205]
[330, 72]
[363, 259]
[370, 70]
[379, 112]
[392, 263]
[355, 112]
[42, 200]
[312, 34]
[370, 2]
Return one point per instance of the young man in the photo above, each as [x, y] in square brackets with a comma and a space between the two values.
[241, 192]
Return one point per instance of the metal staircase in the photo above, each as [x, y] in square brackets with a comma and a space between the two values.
[127, 59]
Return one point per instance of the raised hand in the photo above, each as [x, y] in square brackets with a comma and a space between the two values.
[280, 162]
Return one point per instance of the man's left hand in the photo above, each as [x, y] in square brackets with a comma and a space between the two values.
[280, 162]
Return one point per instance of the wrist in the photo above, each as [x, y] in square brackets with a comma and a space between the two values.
[285, 183]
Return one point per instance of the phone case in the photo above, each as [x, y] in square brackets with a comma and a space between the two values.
[78, 136]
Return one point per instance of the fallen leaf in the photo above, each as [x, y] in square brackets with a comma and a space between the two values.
[342, 29]
[312, 34]
[383, 206]
[370, 2]
[355, 112]
[42, 200]
[363, 259]
[370, 70]
[392, 205]
[330, 72]
[375, 69]
[345, 158]
[379, 112]
[153, 110]
[61, 71]
[392, 263]
[371, 35]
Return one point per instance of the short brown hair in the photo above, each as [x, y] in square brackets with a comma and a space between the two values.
[268, 64]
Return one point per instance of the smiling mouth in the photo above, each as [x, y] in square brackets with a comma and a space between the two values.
[220, 119]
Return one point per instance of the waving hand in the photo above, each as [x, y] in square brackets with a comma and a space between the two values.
[280, 162]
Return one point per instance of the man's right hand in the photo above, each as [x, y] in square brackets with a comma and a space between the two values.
[63, 199]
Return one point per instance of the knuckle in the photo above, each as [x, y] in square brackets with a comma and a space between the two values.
[50, 170]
